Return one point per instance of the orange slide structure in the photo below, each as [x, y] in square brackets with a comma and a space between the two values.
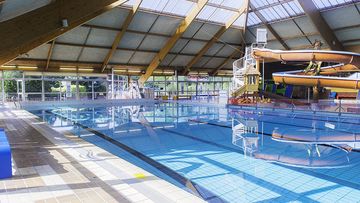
[347, 62]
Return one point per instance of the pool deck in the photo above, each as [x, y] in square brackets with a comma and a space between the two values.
[49, 166]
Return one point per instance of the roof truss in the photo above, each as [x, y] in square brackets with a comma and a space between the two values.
[321, 25]
[215, 38]
[25, 32]
[121, 33]
[171, 42]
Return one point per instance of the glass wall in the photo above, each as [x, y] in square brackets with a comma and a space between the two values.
[26, 86]
[195, 87]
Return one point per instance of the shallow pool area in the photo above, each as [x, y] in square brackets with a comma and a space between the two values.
[228, 154]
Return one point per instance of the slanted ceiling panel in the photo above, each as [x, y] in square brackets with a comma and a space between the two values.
[203, 60]
[181, 60]
[192, 29]
[65, 53]
[227, 51]
[214, 63]
[207, 31]
[193, 47]
[342, 17]
[93, 55]
[232, 36]
[179, 45]
[348, 34]
[142, 21]
[298, 42]
[143, 58]
[153, 43]
[40, 52]
[165, 25]
[113, 18]
[286, 29]
[101, 37]
[306, 25]
[76, 36]
[214, 49]
[131, 40]
[121, 56]
[167, 60]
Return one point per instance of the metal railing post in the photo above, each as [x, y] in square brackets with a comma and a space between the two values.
[340, 107]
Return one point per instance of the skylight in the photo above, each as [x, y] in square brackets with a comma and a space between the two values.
[219, 11]
[323, 4]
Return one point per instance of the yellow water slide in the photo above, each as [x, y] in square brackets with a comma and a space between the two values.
[347, 62]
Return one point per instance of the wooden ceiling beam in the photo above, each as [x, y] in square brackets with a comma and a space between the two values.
[148, 33]
[124, 49]
[216, 37]
[30, 30]
[57, 64]
[51, 48]
[321, 25]
[120, 34]
[184, 24]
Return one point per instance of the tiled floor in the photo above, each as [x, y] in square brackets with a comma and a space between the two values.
[52, 167]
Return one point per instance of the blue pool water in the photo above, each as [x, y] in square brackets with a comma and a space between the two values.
[229, 155]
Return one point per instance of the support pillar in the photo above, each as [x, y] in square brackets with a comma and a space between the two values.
[42, 88]
[112, 84]
[2, 87]
[177, 84]
[258, 65]
[316, 94]
[263, 75]
[92, 91]
[23, 87]
[77, 88]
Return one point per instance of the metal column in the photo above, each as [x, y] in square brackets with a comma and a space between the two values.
[263, 75]
[3, 86]
[77, 88]
[112, 84]
[92, 90]
[23, 88]
[42, 87]
[177, 84]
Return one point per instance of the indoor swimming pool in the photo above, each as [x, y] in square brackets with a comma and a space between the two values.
[228, 154]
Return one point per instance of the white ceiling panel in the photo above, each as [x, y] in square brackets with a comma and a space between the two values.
[131, 40]
[181, 60]
[165, 25]
[93, 55]
[154, 43]
[121, 56]
[40, 52]
[65, 53]
[142, 58]
[113, 18]
[193, 47]
[101, 37]
[142, 21]
[76, 36]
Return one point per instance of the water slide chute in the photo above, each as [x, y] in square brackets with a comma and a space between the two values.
[347, 62]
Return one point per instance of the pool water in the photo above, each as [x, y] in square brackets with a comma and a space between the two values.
[229, 155]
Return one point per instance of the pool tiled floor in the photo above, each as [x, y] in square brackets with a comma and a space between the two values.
[49, 166]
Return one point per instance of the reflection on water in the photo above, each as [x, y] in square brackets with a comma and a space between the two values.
[231, 153]
[297, 147]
